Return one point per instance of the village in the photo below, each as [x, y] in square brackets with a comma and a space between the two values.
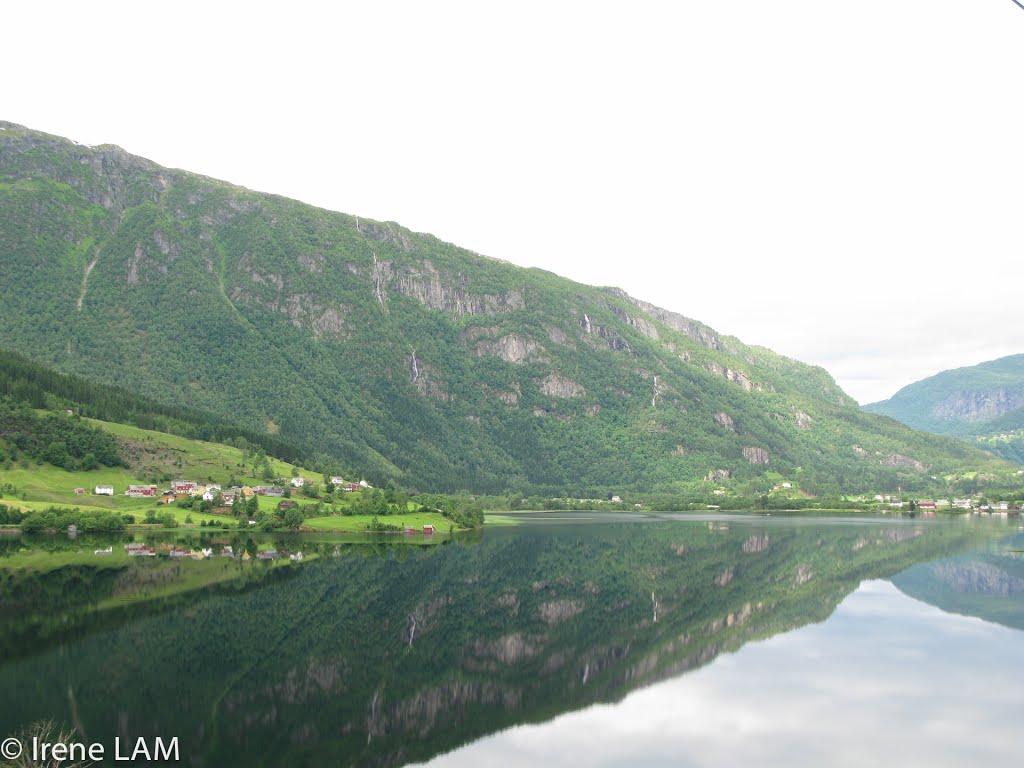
[215, 493]
[926, 508]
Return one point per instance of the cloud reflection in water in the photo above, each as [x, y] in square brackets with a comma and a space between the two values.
[886, 680]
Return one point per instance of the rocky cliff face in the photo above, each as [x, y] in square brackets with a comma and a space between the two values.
[978, 406]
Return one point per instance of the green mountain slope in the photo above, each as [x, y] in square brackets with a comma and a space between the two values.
[404, 356]
[983, 404]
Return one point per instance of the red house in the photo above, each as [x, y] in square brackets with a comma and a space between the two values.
[428, 529]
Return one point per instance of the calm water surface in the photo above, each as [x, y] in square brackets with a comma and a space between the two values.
[665, 640]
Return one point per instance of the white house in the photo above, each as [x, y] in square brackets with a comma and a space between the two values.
[210, 493]
[337, 480]
[298, 482]
[104, 490]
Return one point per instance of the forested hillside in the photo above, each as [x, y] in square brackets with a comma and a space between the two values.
[982, 404]
[406, 357]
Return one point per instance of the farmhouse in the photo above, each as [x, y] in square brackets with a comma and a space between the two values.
[141, 491]
[184, 486]
[298, 482]
[104, 490]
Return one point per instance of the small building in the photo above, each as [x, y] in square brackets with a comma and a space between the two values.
[247, 492]
[926, 505]
[285, 504]
[616, 499]
[184, 486]
[268, 554]
[79, 491]
[268, 490]
[104, 490]
[227, 551]
[107, 551]
[336, 480]
[228, 499]
[141, 491]
[210, 494]
[175, 552]
[428, 529]
[298, 482]
[297, 557]
[352, 487]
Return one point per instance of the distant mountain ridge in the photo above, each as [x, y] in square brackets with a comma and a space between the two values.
[406, 357]
[983, 404]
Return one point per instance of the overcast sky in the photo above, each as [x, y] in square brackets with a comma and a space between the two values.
[840, 181]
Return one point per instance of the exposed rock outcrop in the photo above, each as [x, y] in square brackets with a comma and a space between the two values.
[736, 377]
[426, 379]
[557, 385]
[512, 348]
[448, 293]
[716, 475]
[598, 336]
[723, 419]
[978, 406]
[642, 324]
[691, 328]
[896, 460]
[755, 455]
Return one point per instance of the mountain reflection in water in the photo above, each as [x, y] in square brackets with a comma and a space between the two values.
[371, 654]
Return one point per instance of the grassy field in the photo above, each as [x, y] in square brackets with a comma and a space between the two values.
[154, 457]
[359, 522]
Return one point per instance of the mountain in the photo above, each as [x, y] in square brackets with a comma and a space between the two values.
[408, 358]
[987, 584]
[983, 404]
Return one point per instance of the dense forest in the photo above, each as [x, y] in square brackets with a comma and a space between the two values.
[59, 439]
[39, 386]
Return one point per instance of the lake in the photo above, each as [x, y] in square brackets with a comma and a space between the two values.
[572, 639]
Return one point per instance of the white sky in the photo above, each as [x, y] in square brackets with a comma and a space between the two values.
[840, 181]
